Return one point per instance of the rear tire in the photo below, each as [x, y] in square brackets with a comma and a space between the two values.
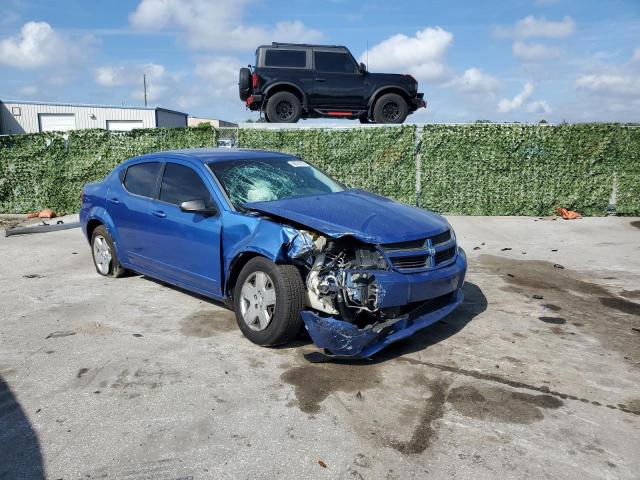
[283, 321]
[244, 83]
[390, 108]
[283, 107]
[104, 255]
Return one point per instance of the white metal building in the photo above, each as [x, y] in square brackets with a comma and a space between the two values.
[33, 117]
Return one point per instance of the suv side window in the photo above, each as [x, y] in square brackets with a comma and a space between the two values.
[141, 179]
[334, 62]
[181, 184]
[285, 58]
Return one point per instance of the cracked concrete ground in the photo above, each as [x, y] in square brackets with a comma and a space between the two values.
[537, 375]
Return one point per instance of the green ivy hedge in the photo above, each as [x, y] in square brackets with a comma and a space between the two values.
[476, 169]
[492, 169]
[380, 160]
[47, 170]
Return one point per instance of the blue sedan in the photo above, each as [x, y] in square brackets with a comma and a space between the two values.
[281, 242]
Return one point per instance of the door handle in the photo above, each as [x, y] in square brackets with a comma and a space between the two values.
[114, 200]
[159, 213]
[321, 79]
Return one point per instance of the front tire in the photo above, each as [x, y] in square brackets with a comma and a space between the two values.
[284, 107]
[105, 258]
[390, 108]
[267, 300]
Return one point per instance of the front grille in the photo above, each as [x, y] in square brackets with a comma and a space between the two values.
[410, 263]
[445, 255]
[441, 238]
[402, 246]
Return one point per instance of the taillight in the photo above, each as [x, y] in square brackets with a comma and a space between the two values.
[254, 80]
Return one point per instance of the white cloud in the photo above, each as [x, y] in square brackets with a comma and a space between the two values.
[532, 52]
[636, 55]
[505, 105]
[126, 74]
[421, 55]
[220, 74]
[37, 45]
[28, 91]
[474, 80]
[215, 25]
[540, 107]
[613, 84]
[531, 26]
[159, 81]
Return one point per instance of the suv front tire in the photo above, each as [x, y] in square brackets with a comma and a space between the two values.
[390, 108]
[284, 107]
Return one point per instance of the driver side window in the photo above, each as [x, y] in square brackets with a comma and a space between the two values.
[182, 184]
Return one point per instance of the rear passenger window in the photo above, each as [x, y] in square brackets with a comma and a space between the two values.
[141, 178]
[181, 184]
[334, 62]
[285, 58]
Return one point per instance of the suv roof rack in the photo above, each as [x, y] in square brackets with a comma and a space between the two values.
[280, 44]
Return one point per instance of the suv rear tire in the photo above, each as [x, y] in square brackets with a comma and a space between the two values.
[267, 299]
[283, 107]
[244, 83]
[390, 108]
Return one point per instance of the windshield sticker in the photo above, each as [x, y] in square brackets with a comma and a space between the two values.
[297, 163]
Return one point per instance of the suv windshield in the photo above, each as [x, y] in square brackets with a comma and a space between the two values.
[262, 180]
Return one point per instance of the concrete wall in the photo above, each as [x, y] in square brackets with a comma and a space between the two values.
[27, 121]
[170, 119]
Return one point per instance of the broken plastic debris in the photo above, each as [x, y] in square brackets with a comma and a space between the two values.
[322, 464]
[557, 265]
[538, 297]
[568, 214]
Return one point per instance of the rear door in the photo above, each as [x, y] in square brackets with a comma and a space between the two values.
[337, 81]
[185, 246]
[128, 204]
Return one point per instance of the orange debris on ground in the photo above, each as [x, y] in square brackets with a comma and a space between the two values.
[568, 214]
[46, 213]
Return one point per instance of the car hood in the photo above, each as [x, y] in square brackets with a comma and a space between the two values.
[368, 217]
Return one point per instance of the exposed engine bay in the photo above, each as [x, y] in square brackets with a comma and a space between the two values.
[340, 277]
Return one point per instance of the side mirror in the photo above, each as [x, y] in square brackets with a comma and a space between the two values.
[362, 68]
[198, 206]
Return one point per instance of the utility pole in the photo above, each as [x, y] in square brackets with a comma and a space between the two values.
[144, 82]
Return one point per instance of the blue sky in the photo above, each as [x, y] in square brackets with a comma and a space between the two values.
[517, 60]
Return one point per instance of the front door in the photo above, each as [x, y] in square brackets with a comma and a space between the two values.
[337, 81]
[185, 246]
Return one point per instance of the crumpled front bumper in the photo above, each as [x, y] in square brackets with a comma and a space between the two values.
[345, 340]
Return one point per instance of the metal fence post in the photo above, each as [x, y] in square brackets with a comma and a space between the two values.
[418, 162]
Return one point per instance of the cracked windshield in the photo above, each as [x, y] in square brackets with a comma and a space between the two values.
[247, 181]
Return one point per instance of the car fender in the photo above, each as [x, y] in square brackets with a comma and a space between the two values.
[386, 87]
[102, 215]
[243, 234]
[270, 87]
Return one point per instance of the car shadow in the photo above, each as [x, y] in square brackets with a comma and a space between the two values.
[473, 305]
[20, 454]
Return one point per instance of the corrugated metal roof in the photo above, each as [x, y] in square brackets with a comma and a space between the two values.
[90, 105]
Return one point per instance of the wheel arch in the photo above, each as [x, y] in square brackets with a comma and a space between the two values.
[286, 87]
[236, 266]
[388, 89]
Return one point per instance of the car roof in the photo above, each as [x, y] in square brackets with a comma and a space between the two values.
[207, 155]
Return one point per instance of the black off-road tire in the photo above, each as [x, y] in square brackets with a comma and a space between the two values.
[244, 83]
[116, 270]
[283, 107]
[290, 299]
[390, 108]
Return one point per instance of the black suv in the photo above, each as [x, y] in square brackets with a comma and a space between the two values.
[292, 81]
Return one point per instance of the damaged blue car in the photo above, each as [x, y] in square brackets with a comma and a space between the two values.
[279, 241]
